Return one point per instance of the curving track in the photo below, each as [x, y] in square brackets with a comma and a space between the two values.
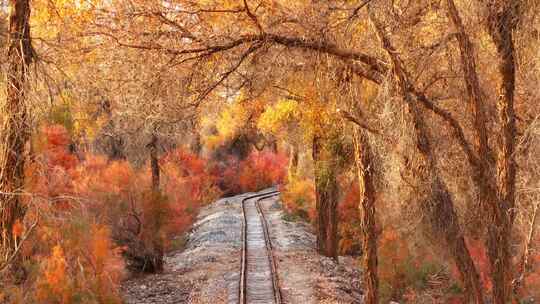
[258, 278]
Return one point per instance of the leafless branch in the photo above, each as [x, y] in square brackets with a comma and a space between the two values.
[346, 115]
[252, 17]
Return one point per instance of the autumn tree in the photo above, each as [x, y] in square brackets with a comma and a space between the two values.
[15, 129]
[502, 19]
[363, 158]
[449, 95]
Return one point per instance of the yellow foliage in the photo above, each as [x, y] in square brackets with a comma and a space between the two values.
[275, 117]
[50, 17]
[310, 114]
[86, 126]
[233, 119]
[299, 198]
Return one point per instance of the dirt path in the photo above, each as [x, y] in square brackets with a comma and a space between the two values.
[207, 271]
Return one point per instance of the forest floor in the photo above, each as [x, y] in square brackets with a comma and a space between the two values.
[207, 269]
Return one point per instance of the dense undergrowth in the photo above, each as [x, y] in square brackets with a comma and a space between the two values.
[410, 268]
[99, 220]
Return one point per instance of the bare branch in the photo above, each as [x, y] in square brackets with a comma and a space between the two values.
[227, 73]
[347, 116]
[252, 16]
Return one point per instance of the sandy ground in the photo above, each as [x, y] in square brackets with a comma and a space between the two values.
[207, 271]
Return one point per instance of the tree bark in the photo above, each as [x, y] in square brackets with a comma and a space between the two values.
[111, 143]
[326, 192]
[443, 222]
[435, 201]
[154, 163]
[502, 19]
[293, 162]
[498, 199]
[362, 154]
[472, 83]
[15, 131]
[196, 146]
[483, 160]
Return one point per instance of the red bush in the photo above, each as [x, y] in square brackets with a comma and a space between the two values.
[261, 170]
[113, 201]
[188, 183]
[51, 174]
[350, 224]
[56, 147]
[258, 171]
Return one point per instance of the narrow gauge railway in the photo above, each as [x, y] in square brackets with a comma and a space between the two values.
[259, 282]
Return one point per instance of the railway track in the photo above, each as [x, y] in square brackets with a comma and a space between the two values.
[258, 278]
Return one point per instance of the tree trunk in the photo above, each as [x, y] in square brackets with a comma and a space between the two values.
[196, 146]
[436, 203]
[331, 200]
[499, 200]
[293, 162]
[481, 176]
[15, 131]
[443, 223]
[111, 143]
[326, 192]
[154, 163]
[362, 154]
[472, 83]
[321, 219]
[483, 160]
[502, 20]
[271, 142]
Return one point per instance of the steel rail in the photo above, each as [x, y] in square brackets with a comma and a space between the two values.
[242, 290]
[270, 249]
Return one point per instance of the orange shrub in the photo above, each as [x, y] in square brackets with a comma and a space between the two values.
[51, 174]
[147, 220]
[258, 171]
[119, 196]
[404, 270]
[188, 177]
[98, 216]
[349, 222]
[261, 170]
[83, 266]
[298, 197]
[56, 147]
[54, 284]
[188, 185]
